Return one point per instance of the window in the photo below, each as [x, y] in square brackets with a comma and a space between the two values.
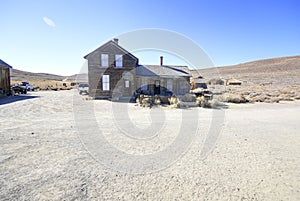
[127, 84]
[184, 87]
[105, 82]
[104, 60]
[144, 85]
[119, 61]
[157, 83]
[170, 84]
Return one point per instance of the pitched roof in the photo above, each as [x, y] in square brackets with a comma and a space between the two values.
[3, 64]
[234, 81]
[113, 43]
[161, 71]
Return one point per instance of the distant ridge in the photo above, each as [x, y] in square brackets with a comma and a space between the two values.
[19, 75]
[288, 67]
[281, 66]
[266, 65]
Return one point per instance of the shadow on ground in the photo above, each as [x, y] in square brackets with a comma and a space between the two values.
[11, 99]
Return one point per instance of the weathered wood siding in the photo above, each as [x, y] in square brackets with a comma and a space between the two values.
[5, 80]
[117, 79]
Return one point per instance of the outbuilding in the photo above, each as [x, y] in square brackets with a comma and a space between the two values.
[4, 78]
[234, 82]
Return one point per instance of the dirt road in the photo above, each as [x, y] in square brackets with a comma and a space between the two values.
[44, 155]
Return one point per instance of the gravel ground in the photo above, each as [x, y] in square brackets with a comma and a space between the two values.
[44, 155]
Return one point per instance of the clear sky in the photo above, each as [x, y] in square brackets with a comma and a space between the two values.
[53, 36]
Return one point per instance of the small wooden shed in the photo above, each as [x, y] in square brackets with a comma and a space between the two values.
[4, 78]
[234, 82]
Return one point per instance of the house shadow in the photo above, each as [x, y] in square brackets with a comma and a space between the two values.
[12, 99]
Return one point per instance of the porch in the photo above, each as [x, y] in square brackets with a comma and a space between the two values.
[163, 86]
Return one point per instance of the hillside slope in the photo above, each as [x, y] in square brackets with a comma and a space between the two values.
[19, 75]
[284, 70]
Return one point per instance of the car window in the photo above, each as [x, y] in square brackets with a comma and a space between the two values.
[83, 85]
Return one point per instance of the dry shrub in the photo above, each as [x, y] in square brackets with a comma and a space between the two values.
[138, 100]
[259, 98]
[234, 98]
[285, 92]
[188, 98]
[285, 98]
[215, 103]
[87, 98]
[202, 102]
[157, 100]
[173, 100]
[146, 102]
[254, 94]
[272, 100]
[187, 104]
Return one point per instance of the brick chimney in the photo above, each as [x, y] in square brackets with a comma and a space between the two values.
[161, 60]
[116, 40]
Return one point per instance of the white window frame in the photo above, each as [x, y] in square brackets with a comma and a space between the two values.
[105, 82]
[119, 60]
[127, 83]
[170, 84]
[104, 60]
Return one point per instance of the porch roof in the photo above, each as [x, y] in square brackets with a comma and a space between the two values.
[161, 71]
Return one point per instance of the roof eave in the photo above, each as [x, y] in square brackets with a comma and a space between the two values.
[116, 44]
[4, 64]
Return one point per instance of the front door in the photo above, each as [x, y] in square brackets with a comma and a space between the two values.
[157, 87]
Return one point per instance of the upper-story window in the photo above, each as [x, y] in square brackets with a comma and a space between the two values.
[119, 61]
[104, 60]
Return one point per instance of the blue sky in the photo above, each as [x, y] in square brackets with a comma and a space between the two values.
[53, 36]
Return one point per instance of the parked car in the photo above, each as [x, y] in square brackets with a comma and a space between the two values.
[201, 85]
[151, 90]
[19, 89]
[83, 88]
[28, 86]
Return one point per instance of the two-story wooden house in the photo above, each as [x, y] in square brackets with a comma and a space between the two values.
[113, 71]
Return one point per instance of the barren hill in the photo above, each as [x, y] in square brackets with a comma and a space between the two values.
[19, 75]
[45, 80]
[268, 80]
[285, 70]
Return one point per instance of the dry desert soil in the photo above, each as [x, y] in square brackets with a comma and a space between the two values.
[46, 153]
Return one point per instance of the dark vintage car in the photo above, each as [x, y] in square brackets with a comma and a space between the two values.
[151, 90]
[201, 85]
[19, 89]
[28, 86]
